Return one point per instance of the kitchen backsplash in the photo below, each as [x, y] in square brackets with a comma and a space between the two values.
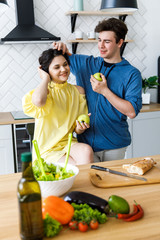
[19, 62]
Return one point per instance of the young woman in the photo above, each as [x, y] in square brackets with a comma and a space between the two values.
[56, 105]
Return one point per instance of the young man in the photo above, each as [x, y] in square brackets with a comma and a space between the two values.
[111, 100]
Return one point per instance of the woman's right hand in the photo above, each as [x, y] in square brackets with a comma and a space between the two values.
[44, 75]
[61, 46]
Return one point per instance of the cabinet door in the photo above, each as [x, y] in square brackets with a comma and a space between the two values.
[145, 132]
[6, 150]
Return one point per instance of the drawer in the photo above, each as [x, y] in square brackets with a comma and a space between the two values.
[5, 132]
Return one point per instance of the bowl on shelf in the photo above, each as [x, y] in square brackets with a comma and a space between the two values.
[58, 187]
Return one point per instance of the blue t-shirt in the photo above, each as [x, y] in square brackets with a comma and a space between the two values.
[108, 127]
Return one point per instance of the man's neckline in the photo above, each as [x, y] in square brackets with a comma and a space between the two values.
[106, 64]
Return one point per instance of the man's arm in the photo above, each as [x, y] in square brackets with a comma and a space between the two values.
[122, 105]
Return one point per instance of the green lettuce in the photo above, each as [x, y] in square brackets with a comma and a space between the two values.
[53, 172]
[51, 226]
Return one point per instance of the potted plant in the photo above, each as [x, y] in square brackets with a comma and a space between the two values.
[148, 83]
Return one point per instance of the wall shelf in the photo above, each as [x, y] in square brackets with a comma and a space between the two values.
[76, 42]
[98, 13]
[89, 41]
[74, 14]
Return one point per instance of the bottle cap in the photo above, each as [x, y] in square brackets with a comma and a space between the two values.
[26, 157]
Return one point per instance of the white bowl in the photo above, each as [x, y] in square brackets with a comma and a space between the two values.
[59, 187]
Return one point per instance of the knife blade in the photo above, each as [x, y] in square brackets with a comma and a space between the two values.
[118, 173]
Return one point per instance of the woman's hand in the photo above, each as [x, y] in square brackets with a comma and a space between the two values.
[44, 75]
[81, 126]
[39, 96]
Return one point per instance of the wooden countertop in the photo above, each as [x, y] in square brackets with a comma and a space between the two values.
[147, 195]
[7, 118]
[150, 107]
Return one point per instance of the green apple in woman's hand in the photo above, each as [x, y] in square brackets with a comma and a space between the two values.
[84, 118]
[97, 76]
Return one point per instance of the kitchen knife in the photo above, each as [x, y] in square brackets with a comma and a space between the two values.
[118, 173]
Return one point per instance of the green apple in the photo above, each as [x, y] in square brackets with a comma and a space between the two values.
[97, 76]
[84, 118]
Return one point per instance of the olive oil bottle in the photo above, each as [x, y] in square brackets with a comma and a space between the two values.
[29, 199]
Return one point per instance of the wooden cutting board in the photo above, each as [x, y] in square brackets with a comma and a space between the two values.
[106, 180]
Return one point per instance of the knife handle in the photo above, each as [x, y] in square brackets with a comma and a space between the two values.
[98, 168]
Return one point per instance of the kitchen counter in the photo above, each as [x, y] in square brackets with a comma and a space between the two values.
[147, 195]
[153, 107]
[7, 118]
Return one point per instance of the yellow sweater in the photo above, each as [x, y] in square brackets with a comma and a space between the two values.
[56, 119]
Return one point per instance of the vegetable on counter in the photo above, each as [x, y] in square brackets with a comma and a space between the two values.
[73, 225]
[138, 215]
[58, 209]
[85, 217]
[90, 199]
[51, 226]
[118, 204]
[84, 213]
[94, 224]
[124, 216]
[129, 217]
[82, 226]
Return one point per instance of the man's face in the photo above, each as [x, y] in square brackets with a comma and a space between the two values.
[107, 45]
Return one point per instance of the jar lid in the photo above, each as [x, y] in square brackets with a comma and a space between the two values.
[26, 157]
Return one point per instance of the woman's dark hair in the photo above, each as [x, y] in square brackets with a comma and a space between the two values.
[48, 55]
[115, 25]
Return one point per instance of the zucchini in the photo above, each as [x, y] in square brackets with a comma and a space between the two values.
[90, 199]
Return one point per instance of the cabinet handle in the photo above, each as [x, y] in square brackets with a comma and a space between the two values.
[26, 141]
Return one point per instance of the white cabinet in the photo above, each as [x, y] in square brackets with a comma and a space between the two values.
[145, 133]
[6, 150]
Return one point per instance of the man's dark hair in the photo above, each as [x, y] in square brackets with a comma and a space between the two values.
[48, 55]
[115, 25]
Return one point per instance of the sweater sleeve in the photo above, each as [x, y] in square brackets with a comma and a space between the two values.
[32, 110]
[134, 91]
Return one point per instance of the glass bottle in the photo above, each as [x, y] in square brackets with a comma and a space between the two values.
[30, 205]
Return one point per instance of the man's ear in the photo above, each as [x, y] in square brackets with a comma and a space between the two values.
[121, 41]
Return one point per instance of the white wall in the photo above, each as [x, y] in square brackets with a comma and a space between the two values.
[19, 62]
[152, 40]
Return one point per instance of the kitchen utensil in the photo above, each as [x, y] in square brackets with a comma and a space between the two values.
[35, 144]
[118, 173]
[68, 151]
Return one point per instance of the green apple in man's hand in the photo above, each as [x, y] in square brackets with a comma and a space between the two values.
[84, 118]
[97, 76]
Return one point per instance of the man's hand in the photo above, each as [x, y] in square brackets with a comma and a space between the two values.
[99, 86]
[61, 46]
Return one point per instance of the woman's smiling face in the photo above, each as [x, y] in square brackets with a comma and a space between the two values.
[59, 69]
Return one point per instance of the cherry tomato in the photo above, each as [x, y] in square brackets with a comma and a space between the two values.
[73, 225]
[94, 224]
[82, 226]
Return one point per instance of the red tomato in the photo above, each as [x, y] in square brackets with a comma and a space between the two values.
[94, 224]
[82, 226]
[73, 225]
